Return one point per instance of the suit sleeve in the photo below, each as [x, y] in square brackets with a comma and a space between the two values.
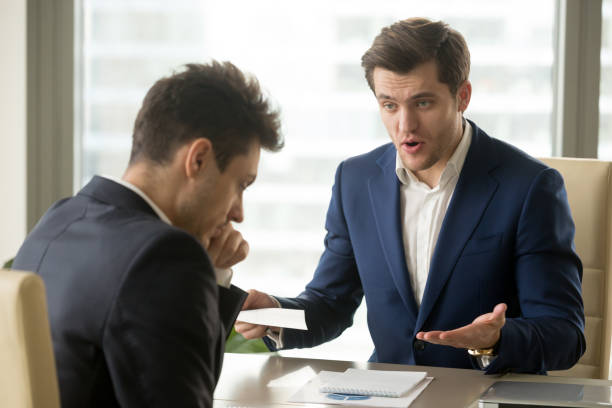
[549, 334]
[230, 303]
[163, 341]
[335, 292]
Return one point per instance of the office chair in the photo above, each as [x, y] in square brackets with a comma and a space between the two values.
[589, 189]
[27, 366]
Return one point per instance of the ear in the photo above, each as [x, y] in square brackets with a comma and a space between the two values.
[199, 154]
[464, 93]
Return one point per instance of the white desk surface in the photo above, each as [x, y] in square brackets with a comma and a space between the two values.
[245, 377]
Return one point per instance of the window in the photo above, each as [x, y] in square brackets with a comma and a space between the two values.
[307, 55]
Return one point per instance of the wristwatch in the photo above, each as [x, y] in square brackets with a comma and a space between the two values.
[484, 357]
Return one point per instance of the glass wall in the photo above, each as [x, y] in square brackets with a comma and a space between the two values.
[307, 56]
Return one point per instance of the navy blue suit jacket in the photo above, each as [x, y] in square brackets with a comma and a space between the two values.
[507, 237]
[136, 316]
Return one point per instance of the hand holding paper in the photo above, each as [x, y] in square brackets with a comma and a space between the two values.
[276, 317]
[256, 300]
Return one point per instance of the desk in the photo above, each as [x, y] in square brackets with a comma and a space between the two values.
[245, 377]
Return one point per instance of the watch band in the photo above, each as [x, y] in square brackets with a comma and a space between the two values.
[482, 352]
[484, 357]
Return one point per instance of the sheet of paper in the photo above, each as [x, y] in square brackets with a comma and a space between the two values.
[309, 393]
[275, 316]
[295, 379]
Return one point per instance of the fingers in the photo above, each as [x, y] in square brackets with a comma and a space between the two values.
[235, 250]
[215, 243]
[250, 331]
[496, 318]
[227, 247]
[499, 313]
[239, 254]
[255, 300]
[431, 336]
[451, 338]
[258, 300]
[484, 332]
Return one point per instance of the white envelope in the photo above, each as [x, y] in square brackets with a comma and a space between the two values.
[275, 316]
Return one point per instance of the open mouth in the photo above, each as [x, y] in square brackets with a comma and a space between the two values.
[412, 147]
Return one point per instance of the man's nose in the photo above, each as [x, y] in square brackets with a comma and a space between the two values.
[237, 212]
[408, 121]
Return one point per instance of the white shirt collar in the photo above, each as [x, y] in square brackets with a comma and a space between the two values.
[453, 167]
[142, 195]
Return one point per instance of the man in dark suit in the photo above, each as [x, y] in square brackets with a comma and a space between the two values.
[138, 313]
[461, 244]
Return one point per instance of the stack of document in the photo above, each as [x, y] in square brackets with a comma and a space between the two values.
[373, 388]
[376, 383]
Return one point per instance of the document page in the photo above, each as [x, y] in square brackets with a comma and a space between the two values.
[310, 393]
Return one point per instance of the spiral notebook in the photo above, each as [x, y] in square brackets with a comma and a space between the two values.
[376, 383]
[309, 393]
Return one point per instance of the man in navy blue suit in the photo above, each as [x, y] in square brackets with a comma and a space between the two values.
[138, 290]
[461, 244]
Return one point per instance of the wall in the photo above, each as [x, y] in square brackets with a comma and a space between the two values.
[13, 132]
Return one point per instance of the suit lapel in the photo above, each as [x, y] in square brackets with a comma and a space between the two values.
[473, 192]
[385, 200]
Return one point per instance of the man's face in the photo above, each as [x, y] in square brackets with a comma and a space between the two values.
[422, 117]
[217, 197]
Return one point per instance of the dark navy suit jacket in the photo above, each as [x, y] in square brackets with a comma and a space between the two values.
[133, 302]
[507, 237]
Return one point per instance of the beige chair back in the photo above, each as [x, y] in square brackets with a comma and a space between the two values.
[589, 189]
[27, 367]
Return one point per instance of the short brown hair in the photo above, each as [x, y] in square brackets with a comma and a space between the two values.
[407, 43]
[216, 101]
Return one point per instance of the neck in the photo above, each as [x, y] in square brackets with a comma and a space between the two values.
[156, 182]
[432, 175]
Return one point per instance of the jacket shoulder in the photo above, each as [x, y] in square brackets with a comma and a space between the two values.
[377, 158]
[516, 164]
[505, 158]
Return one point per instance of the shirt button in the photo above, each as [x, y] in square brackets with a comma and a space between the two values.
[419, 345]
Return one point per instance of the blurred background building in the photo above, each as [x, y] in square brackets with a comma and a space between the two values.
[307, 57]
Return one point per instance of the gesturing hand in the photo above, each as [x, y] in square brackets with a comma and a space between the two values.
[227, 247]
[482, 333]
[255, 300]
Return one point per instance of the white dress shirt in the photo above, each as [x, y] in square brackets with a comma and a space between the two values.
[223, 276]
[423, 210]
